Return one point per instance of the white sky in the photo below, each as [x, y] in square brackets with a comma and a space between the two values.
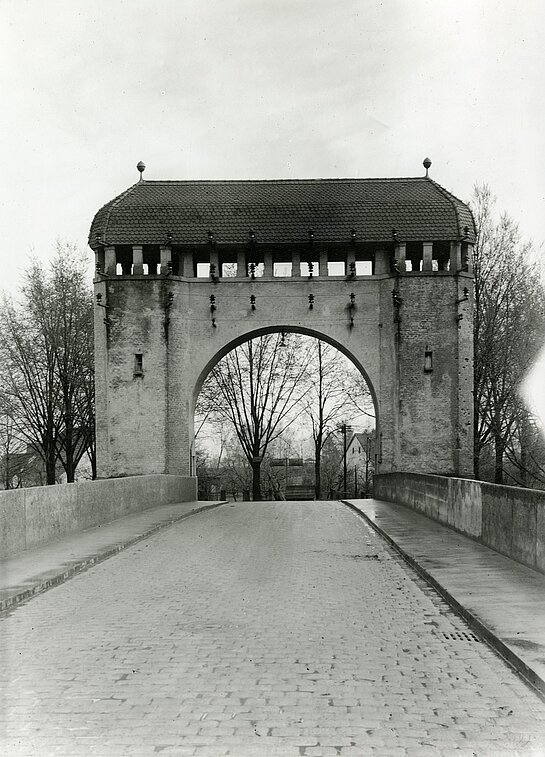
[261, 89]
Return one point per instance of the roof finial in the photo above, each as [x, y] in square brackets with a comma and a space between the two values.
[141, 167]
[426, 164]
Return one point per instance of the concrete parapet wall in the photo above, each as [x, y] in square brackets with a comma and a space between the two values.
[509, 519]
[35, 516]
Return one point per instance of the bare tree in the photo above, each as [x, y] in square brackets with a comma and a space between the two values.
[268, 385]
[30, 393]
[508, 331]
[332, 469]
[525, 453]
[235, 472]
[335, 389]
[47, 363]
[13, 461]
[260, 383]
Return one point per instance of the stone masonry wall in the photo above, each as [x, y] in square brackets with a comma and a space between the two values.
[195, 345]
[131, 407]
[145, 423]
[435, 418]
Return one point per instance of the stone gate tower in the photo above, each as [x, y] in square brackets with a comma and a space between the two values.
[379, 268]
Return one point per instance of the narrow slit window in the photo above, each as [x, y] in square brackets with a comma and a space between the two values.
[138, 364]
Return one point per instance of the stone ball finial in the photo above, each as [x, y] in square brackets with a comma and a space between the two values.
[426, 164]
[141, 166]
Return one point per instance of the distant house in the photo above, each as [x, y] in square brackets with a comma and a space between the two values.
[360, 463]
[20, 469]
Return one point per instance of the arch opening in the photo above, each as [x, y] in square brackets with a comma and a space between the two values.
[286, 412]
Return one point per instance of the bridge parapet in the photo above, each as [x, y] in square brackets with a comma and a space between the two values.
[508, 519]
[37, 515]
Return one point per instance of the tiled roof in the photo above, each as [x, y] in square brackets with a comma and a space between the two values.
[282, 211]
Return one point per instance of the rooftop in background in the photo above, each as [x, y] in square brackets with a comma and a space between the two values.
[282, 211]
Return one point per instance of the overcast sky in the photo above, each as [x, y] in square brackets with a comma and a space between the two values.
[262, 89]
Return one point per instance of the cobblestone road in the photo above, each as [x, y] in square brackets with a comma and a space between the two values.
[257, 629]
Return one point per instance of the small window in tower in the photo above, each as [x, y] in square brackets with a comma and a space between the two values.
[138, 364]
[364, 268]
[336, 268]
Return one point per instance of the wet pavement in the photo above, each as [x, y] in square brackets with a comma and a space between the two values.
[502, 599]
[277, 628]
[36, 570]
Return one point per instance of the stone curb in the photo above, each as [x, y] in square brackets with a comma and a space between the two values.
[503, 650]
[80, 566]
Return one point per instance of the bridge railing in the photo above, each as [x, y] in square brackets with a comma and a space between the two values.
[37, 515]
[508, 519]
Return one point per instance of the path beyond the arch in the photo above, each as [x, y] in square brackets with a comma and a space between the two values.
[273, 628]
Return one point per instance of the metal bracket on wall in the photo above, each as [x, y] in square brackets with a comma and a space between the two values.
[100, 272]
[106, 307]
[213, 309]
[351, 310]
[465, 297]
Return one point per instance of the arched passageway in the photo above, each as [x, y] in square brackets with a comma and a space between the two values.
[285, 415]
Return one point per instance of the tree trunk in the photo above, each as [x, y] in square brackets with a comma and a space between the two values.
[476, 444]
[93, 460]
[498, 466]
[524, 456]
[69, 467]
[256, 481]
[50, 470]
[318, 477]
[68, 447]
[6, 472]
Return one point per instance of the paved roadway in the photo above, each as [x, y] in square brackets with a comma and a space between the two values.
[256, 629]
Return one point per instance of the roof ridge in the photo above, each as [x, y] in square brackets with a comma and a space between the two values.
[338, 180]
